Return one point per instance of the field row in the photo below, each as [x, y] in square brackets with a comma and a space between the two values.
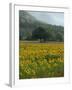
[41, 60]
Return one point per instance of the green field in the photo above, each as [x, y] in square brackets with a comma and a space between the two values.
[41, 60]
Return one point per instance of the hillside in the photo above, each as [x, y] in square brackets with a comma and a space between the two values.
[28, 23]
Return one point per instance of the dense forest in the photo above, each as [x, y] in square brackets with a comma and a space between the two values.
[32, 29]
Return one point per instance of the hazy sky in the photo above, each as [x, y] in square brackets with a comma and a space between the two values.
[54, 18]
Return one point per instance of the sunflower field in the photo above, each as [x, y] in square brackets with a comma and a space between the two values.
[41, 60]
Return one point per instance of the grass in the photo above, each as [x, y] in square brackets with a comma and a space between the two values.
[41, 60]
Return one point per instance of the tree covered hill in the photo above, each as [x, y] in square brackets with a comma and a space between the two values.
[28, 24]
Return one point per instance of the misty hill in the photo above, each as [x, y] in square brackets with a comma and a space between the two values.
[28, 23]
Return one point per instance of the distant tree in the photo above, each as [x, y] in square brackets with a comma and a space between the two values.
[59, 37]
[40, 33]
[28, 36]
[52, 36]
[21, 36]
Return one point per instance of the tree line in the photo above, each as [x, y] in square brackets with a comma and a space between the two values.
[44, 35]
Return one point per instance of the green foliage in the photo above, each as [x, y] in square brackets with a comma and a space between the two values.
[39, 33]
[41, 60]
[28, 26]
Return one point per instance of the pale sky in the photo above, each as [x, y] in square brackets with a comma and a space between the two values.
[54, 18]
